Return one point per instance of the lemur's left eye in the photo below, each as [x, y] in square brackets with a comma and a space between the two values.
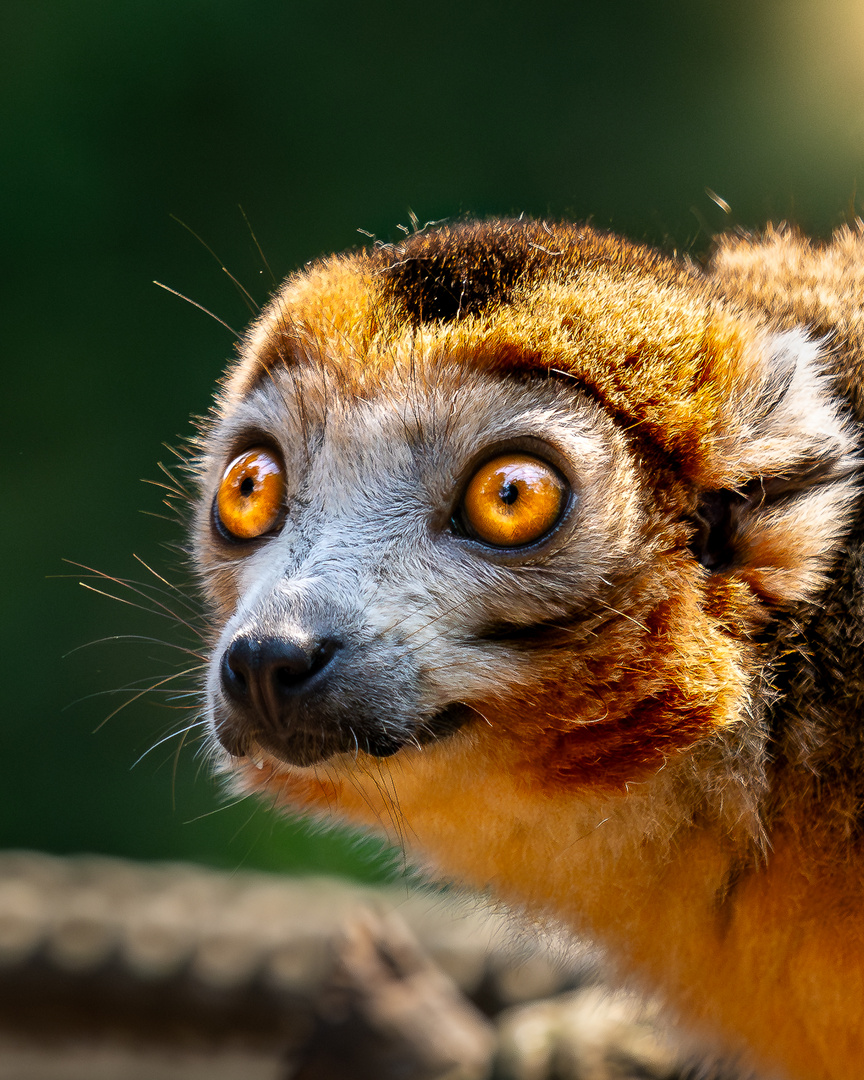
[514, 500]
[250, 498]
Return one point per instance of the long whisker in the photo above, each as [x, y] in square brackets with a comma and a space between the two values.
[131, 603]
[250, 302]
[175, 763]
[183, 732]
[245, 797]
[431, 622]
[391, 801]
[141, 693]
[168, 612]
[173, 491]
[137, 638]
[398, 818]
[173, 589]
[200, 307]
[175, 695]
[257, 245]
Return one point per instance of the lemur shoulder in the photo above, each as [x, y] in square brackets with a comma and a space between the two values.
[541, 552]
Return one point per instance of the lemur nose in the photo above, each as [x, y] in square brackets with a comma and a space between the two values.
[263, 672]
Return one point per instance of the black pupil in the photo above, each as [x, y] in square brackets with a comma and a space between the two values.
[247, 486]
[509, 493]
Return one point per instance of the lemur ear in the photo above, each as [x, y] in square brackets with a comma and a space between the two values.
[778, 525]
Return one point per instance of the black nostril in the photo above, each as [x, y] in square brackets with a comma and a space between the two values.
[262, 671]
[294, 668]
[233, 673]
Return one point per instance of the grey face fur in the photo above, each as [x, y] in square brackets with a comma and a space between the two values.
[402, 622]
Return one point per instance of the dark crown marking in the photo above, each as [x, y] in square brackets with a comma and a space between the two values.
[455, 271]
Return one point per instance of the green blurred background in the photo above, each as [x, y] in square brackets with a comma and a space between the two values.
[318, 118]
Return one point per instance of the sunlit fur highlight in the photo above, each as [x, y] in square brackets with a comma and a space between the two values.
[670, 761]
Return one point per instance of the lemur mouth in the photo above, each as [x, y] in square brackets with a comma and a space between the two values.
[446, 722]
[307, 748]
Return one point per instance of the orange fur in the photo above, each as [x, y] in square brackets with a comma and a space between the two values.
[658, 705]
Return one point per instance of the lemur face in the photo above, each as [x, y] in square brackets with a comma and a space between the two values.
[390, 563]
[533, 496]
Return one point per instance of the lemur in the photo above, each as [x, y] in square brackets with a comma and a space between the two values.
[541, 552]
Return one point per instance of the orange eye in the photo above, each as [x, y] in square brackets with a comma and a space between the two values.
[251, 494]
[513, 500]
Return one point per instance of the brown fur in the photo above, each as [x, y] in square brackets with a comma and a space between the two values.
[665, 697]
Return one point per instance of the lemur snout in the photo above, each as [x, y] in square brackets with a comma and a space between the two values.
[264, 677]
[303, 698]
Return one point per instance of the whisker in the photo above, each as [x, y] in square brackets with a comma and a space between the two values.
[130, 603]
[174, 491]
[176, 761]
[137, 638]
[247, 297]
[354, 781]
[129, 689]
[431, 622]
[391, 801]
[257, 245]
[200, 307]
[163, 517]
[183, 732]
[138, 590]
[173, 589]
[141, 693]
[245, 797]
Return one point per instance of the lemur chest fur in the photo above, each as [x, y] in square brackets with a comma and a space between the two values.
[526, 543]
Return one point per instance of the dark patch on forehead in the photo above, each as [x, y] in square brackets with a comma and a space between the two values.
[446, 273]
[453, 271]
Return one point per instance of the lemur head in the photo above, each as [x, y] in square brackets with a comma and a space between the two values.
[504, 498]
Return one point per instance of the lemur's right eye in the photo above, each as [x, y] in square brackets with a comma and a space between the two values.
[251, 495]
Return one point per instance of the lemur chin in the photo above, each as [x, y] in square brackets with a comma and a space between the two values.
[542, 552]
